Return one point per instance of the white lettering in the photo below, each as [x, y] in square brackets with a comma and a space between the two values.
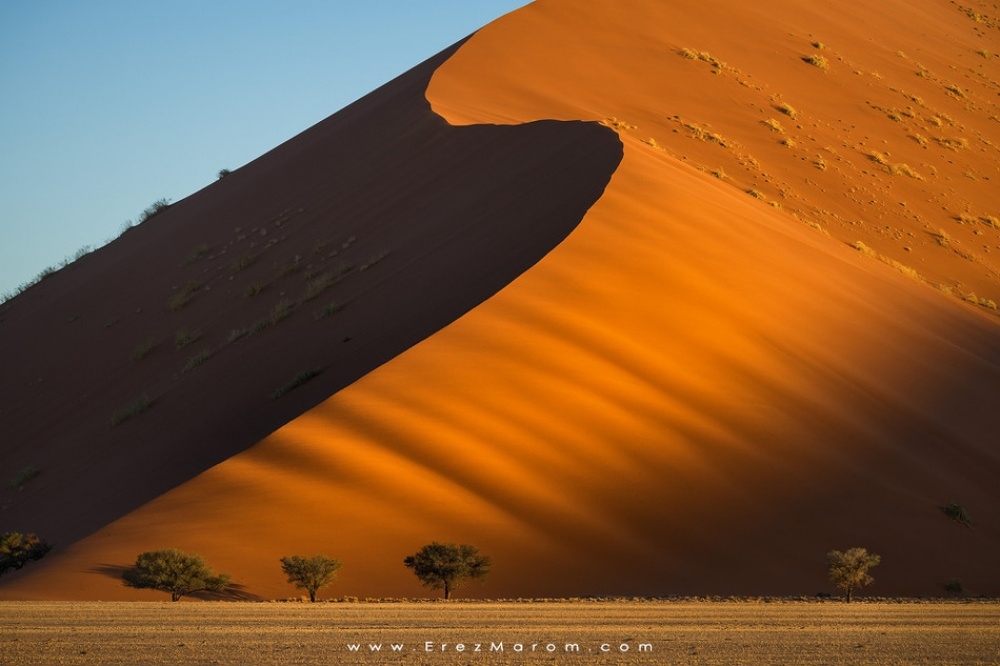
[354, 647]
[572, 647]
[496, 647]
[460, 647]
[645, 647]
[428, 646]
[605, 647]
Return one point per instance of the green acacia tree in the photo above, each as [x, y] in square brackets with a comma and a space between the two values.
[849, 570]
[445, 566]
[310, 573]
[18, 549]
[173, 571]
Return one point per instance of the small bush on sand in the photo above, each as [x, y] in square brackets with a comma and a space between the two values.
[132, 410]
[788, 110]
[816, 60]
[957, 512]
[297, 381]
[22, 477]
[18, 549]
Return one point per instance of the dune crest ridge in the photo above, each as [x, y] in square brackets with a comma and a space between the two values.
[696, 391]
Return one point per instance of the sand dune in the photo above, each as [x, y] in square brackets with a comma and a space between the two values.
[698, 390]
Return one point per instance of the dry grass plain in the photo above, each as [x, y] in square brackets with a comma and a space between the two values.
[676, 632]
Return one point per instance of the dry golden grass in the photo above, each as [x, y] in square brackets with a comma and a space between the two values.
[643, 632]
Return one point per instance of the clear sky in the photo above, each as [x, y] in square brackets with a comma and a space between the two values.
[108, 105]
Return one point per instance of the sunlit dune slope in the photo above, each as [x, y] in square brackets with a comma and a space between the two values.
[698, 391]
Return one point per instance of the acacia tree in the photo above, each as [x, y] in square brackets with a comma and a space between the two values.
[849, 570]
[173, 571]
[447, 566]
[18, 549]
[310, 573]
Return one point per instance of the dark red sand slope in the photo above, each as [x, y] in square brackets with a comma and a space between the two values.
[384, 209]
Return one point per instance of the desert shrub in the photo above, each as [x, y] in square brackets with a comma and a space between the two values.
[197, 360]
[199, 252]
[132, 410]
[954, 587]
[952, 144]
[223, 173]
[18, 549]
[22, 477]
[252, 290]
[147, 214]
[184, 296]
[242, 263]
[297, 381]
[310, 573]
[184, 337]
[788, 110]
[905, 170]
[376, 257]
[849, 570]
[957, 512]
[173, 571]
[942, 238]
[816, 60]
[756, 194]
[954, 90]
[330, 308]
[143, 349]
[878, 158]
[442, 566]
[317, 286]
[864, 249]
[774, 125]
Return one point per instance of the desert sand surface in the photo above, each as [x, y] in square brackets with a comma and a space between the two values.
[714, 293]
[681, 632]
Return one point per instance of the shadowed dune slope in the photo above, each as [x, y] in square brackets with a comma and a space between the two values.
[330, 254]
[696, 391]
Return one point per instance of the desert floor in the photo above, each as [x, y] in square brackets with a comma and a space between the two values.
[644, 632]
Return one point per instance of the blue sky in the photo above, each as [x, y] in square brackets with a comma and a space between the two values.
[108, 105]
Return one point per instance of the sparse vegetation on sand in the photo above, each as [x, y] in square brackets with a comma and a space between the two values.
[184, 296]
[957, 512]
[582, 631]
[24, 475]
[131, 410]
[297, 381]
[816, 60]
